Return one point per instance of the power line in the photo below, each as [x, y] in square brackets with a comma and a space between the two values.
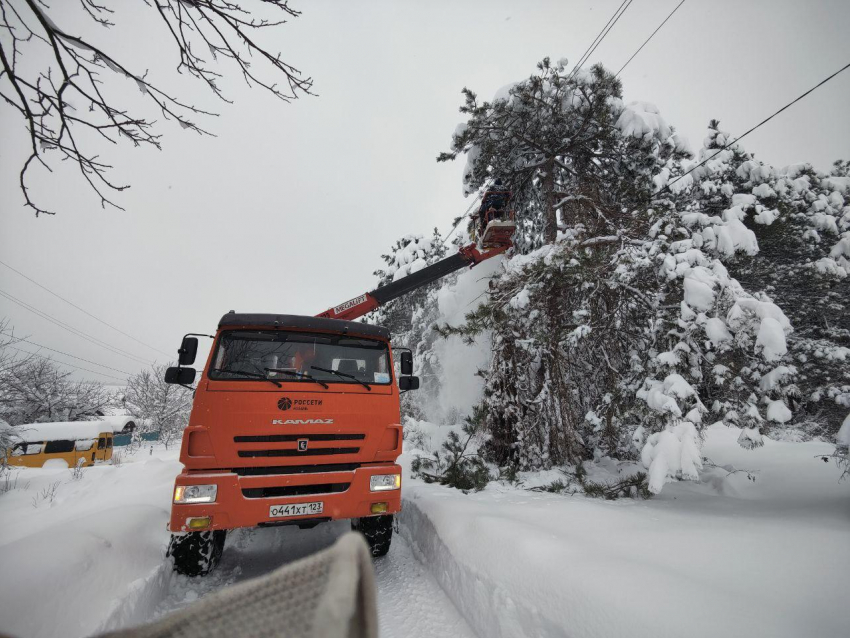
[650, 37]
[462, 217]
[70, 303]
[70, 365]
[617, 19]
[73, 330]
[38, 345]
[765, 121]
[601, 36]
[587, 50]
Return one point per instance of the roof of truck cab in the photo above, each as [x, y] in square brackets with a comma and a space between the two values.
[301, 322]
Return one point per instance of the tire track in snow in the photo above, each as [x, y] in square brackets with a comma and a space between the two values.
[411, 604]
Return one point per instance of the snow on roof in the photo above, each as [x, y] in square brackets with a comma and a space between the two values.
[60, 431]
[118, 421]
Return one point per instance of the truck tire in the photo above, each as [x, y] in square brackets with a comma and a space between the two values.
[378, 532]
[196, 553]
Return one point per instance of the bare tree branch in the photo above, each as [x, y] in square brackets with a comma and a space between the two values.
[62, 100]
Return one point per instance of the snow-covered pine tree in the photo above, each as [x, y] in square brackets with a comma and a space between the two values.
[802, 227]
[523, 137]
[570, 143]
[618, 337]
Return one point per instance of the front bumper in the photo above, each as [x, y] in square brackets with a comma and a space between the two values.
[233, 509]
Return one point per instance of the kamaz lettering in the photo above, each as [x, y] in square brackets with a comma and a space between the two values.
[303, 422]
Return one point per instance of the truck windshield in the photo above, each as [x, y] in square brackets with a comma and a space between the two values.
[298, 356]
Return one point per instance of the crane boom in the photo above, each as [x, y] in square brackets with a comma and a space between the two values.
[467, 256]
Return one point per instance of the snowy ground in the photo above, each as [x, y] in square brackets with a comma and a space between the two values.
[92, 557]
[723, 556]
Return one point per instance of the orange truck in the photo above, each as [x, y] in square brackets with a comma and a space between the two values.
[296, 420]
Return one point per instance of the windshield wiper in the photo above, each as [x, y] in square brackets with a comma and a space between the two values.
[253, 375]
[343, 374]
[300, 375]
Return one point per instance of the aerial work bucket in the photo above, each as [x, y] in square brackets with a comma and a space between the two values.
[496, 223]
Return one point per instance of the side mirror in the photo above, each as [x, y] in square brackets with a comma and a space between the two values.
[188, 351]
[181, 376]
[408, 383]
[406, 363]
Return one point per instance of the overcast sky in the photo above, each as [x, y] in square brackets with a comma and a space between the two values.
[290, 206]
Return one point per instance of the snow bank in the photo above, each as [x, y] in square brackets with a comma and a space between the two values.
[723, 557]
[92, 557]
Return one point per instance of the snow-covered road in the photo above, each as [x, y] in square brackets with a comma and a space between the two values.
[88, 556]
[410, 602]
[755, 552]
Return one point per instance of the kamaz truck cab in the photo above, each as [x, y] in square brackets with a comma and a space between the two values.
[295, 421]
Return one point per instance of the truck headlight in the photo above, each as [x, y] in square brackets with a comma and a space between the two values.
[384, 482]
[195, 494]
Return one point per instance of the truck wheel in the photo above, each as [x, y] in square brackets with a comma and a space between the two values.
[196, 553]
[378, 531]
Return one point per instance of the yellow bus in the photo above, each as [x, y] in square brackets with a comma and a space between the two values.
[75, 442]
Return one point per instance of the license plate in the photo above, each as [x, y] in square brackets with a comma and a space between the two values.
[297, 509]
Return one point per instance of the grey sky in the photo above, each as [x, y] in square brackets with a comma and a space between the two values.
[289, 208]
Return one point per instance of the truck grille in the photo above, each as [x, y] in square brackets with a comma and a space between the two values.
[289, 438]
[326, 451]
[294, 490]
[296, 469]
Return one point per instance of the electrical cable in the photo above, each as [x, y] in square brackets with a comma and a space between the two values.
[462, 217]
[38, 345]
[587, 50]
[73, 330]
[649, 38]
[70, 303]
[70, 365]
[765, 121]
[605, 30]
